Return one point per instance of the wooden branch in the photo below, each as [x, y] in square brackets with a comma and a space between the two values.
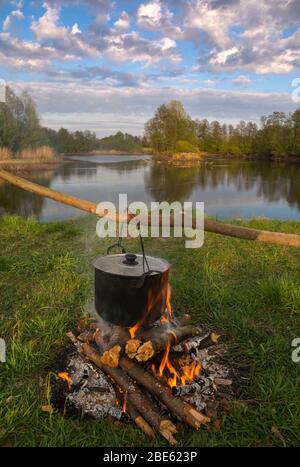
[176, 406]
[245, 233]
[275, 238]
[47, 192]
[140, 421]
[200, 343]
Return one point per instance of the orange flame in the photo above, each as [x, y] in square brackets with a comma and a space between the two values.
[190, 372]
[65, 376]
[152, 300]
[133, 329]
[165, 362]
[125, 403]
[168, 301]
[164, 320]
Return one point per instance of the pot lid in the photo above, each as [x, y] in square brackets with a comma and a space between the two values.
[129, 264]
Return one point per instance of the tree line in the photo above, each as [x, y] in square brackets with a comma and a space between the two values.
[170, 130]
[20, 128]
[173, 130]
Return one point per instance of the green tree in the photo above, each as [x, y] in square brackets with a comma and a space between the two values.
[169, 125]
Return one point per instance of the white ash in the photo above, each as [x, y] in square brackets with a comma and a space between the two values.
[92, 391]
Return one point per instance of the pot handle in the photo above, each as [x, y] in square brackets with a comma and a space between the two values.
[140, 282]
[118, 244]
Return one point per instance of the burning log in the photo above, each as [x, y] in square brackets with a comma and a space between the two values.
[113, 348]
[134, 395]
[145, 352]
[154, 342]
[176, 406]
[157, 341]
[111, 357]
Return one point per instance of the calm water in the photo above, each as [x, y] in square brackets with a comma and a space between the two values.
[229, 188]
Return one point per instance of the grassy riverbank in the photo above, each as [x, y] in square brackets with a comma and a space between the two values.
[30, 160]
[249, 292]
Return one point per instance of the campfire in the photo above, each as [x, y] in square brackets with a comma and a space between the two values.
[156, 372]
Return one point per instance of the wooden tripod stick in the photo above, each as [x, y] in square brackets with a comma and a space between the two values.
[265, 236]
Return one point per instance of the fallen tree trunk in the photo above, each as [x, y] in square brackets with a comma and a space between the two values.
[275, 238]
[176, 406]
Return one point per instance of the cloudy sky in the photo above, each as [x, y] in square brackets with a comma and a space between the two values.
[106, 65]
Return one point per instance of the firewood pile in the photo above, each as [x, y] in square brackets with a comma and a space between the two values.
[171, 372]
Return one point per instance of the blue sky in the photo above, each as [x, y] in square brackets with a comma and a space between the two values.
[106, 65]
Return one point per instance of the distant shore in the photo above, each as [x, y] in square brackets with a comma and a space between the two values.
[28, 166]
[111, 152]
[184, 159]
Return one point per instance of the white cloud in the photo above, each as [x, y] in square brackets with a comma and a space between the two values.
[48, 30]
[123, 22]
[221, 57]
[209, 82]
[244, 34]
[215, 22]
[241, 80]
[155, 16]
[18, 14]
[167, 43]
[149, 14]
[120, 48]
[18, 54]
[75, 29]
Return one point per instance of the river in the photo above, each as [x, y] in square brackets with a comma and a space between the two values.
[229, 188]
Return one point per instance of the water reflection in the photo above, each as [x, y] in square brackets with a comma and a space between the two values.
[16, 201]
[229, 188]
[167, 183]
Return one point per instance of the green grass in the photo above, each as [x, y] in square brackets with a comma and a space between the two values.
[249, 292]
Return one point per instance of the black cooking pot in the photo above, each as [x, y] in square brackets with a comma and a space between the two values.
[126, 292]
